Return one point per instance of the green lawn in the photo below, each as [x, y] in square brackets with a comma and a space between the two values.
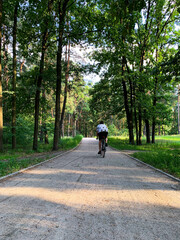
[14, 160]
[164, 155]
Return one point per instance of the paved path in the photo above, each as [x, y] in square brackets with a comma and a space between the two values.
[81, 196]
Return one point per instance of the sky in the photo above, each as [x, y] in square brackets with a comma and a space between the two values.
[80, 55]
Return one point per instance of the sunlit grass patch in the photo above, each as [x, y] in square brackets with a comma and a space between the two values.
[172, 138]
[168, 160]
[70, 142]
[164, 154]
[14, 165]
[14, 160]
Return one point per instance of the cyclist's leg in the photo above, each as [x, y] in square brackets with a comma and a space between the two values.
[99, 145]
[103, 150]
[106, 134]
[103, 144]
[99, 135]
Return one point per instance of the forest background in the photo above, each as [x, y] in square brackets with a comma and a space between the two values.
[43, 92]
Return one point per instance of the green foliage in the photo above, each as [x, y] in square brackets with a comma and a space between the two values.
[69, 142]
[139, 33]
[117, 28]
[114, 131]
[24, 131]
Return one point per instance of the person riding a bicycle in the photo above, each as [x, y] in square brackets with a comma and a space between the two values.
[102, 132]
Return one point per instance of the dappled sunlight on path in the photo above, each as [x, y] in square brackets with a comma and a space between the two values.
[100, 199]
[82, 196]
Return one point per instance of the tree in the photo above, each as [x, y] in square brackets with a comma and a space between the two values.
[67, 60]
[1, 108]
[62, 11]
[179, 109]
[135, 56]
[134, 39]
[14, 77]
[41, 69]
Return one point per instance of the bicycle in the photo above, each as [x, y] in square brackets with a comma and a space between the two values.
[103, 147]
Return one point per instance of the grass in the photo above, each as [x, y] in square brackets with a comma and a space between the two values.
[164, 155]
[14, 165]
[14, 160]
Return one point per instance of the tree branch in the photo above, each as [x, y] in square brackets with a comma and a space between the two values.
[80, 34]
[70, 4]
[165, 24]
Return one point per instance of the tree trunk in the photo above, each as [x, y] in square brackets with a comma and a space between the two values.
[159, 130]
[154, 106]
[75, 125]
[21, 66]
[69, 123]
[41, 133]
[86, 132]
[14, 79]
[136, 126]
[5, 75]
[178, 109]
[147, 131]
[5, 58]
[38, 91]
[39, 81]
[135, 115]
[80, 124]
[147, 126]
[131, 102]
[140, 126]
[128, 114]
[1, 107]
[163, 132]
[62, 13]
[153, 130]
[65, 89]
[45, 134]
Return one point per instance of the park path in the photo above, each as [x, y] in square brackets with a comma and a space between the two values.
[81, 196]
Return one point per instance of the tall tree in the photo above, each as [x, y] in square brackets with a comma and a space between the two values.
[179, 109]
[62, 11]
[65, 87]
[133, 32]
[1, 107]
[40, 77]
[14, 77]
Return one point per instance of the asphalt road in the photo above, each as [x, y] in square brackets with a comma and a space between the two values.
[81, 196]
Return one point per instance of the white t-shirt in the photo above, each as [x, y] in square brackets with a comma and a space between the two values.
[101, 128]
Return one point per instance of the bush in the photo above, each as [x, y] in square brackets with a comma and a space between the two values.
[24, 131]
[70, 142]
[114, 131]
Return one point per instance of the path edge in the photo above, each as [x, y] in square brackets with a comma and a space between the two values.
[38, 164]
[148, 165]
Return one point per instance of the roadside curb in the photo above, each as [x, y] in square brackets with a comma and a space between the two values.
[38, 164]
[147, 165]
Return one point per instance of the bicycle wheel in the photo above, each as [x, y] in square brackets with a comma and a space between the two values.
[103, 153]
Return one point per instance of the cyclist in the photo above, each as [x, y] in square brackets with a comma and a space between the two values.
[102, 131]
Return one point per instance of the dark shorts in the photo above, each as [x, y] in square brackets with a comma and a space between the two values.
[102, 135]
